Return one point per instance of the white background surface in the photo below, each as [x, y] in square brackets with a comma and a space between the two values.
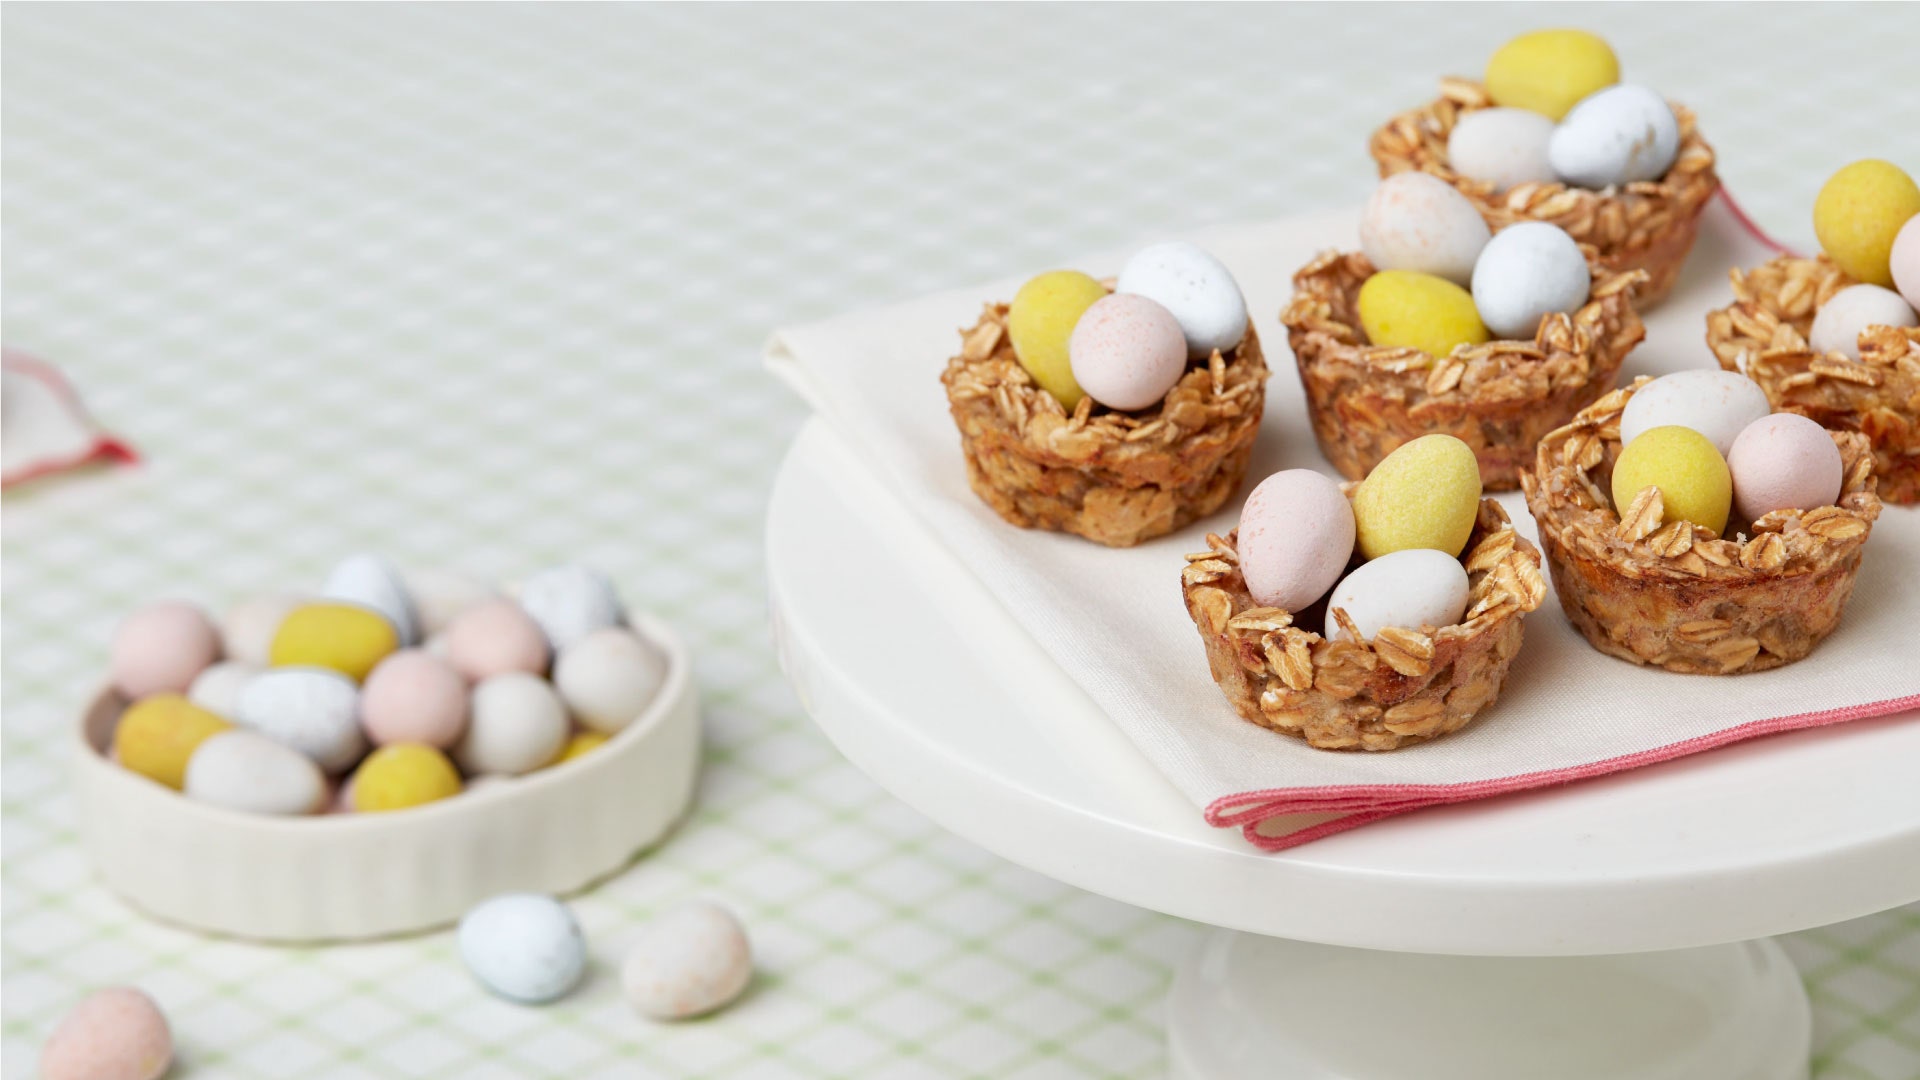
[487, 285]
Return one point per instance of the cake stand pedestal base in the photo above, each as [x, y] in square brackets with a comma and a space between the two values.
[1246, 1006]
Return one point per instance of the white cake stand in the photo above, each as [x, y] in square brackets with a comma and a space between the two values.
[1615, 928]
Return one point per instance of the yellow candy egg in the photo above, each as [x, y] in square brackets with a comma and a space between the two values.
[1693, 479]
[402, 775]
[1858, 213]
[1549, 71]
[1426, 494]
[1039, 322]
[1403, 307]
[346, 638]
[582, 744]
[158, 734]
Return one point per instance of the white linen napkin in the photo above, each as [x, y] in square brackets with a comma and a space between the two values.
[1115, 620]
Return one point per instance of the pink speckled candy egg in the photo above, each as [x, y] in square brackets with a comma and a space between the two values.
[1783, 461]
[115, 1034]
[414, 697]
[1296, 535]
[1906, 261]
[1127, 351]
[1418, 222]
[689, 961]
[162, 647]
[493, 638]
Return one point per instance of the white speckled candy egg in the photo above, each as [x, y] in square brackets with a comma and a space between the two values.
[1296, 535]
[372, 582]
[1527, 272]
[218, 688]
[113, 1034]
[1783, 462]
[1502, 147]
[1904, 261]
[516, 724]
[440, 595]
[1837, 325]
[314, 710]
[524, 947]
[1418, 222]
[1717, 404]
[1127, 351]
[1615, 136]
[608, 678]
[248, 627]
[689, 961]
[245, 770]
[1196, 287]
[1409, 589]
[570, 602]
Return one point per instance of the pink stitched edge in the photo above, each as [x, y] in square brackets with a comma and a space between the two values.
[105, 447]
[1367, 803]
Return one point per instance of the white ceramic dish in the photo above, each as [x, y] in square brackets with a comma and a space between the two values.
[367, 875]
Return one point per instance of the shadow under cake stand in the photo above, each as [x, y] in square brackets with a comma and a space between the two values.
[1617, 928]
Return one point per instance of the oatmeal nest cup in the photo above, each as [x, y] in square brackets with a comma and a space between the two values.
[1499, 397]
[1116, 478]
[1403, 687]
[1645, 225]
[1677, 596]
[1763, 336]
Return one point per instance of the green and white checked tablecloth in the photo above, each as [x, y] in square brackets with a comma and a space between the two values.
[487, 285]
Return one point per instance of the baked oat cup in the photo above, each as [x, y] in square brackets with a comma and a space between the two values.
[1763, 335]
[1114, 477]
[1403, 687]
[1677, 596]
[1644, 225]
[1499, 398]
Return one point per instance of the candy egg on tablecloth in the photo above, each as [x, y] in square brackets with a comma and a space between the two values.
[687, 962]
[114, 1034]
[524, 947]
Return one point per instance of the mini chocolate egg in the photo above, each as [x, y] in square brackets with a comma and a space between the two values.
[439, 595]
[1426, 494]
[1503, 147]
[1837, 325]
[1859, 212]
[570, 602]
[516, 724]
[113, 1034]
[1127, 351]
[314, 710]
[247, 629]
[1903, 262]
[686, 962]
[245, 770]
[1039, 322]
[1418, 311]
[1717, 404]
[373, 583]
[218, 688]
[414, 697]
[1694, 483]
[399, 777]
[1296, 535]
[1784, 462]
[1418, 222]
[581, 744]
[1615, 136]
[1547, 71]
[346, 638]
[1196, 287]
[161, 647]
[1411, 589]
[608, 678]
[157, 735]
[524, 947]
[1527, 272]
[495, 637]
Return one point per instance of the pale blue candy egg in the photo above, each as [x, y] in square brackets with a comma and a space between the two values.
[1196, 287]
[1525, 273]
[524, 947]
[372, 582]
[1615, 136]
